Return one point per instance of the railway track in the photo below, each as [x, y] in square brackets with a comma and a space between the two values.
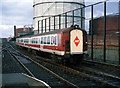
[102, 64]
[84, 72]
[72, 78]
[41, 72]
[103, 67]
[113, 80]
[90, 74]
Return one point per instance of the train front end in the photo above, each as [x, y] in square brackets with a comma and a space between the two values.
[77, 44]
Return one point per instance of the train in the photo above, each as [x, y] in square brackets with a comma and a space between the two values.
[67, 45]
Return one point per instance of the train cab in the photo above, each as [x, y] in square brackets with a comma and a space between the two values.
[75, 43]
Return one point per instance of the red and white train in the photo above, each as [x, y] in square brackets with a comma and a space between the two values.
[69, 44]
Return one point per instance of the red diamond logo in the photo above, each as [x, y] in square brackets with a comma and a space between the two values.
[76, 41]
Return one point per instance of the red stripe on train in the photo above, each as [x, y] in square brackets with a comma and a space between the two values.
[58, 48]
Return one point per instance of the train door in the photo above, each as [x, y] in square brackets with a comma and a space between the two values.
[67, 46]
[76, 41]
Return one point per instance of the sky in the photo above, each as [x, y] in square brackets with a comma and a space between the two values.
[20, 13]
[14, 12]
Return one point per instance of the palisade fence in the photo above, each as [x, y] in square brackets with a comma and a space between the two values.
[102, 23]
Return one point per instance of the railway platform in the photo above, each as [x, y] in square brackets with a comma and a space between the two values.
[17, 80]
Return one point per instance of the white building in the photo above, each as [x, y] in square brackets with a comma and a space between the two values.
[47, 8]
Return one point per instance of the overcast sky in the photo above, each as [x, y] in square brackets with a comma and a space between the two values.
[15, 12]
[20, 12]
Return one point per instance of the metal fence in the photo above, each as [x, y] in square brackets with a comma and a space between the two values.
[103, 29]
[63, 20]
[104, 33]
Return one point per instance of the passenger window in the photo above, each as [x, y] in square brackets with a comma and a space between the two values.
[28, 41]
[44, 40]
[41, 40]
[36, 40]
[32, 41]
[48, 40]
[21, 40]
[52, 39]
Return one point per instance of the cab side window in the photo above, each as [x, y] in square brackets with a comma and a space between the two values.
[59, 39]
[55, 38]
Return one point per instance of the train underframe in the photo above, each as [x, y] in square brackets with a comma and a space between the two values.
[67, 59]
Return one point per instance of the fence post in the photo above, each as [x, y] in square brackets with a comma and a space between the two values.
[119, 31]
[73, 17]
[38, 27]
[49, 23]
[65, 20]
[45, 25]
[54, 22]
[81, 17]
[42, 26]
[105, 31]
[92, 32]
[59, 21]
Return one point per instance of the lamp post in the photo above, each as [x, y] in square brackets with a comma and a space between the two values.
[119, 31]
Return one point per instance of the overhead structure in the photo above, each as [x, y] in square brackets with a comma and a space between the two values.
[47, 8]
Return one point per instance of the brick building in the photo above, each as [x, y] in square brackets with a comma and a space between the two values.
[112, 31]
[23, 31]
[19, 30]
[111, 25]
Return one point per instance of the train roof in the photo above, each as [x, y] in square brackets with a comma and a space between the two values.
[65, 30]
[46, 33]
